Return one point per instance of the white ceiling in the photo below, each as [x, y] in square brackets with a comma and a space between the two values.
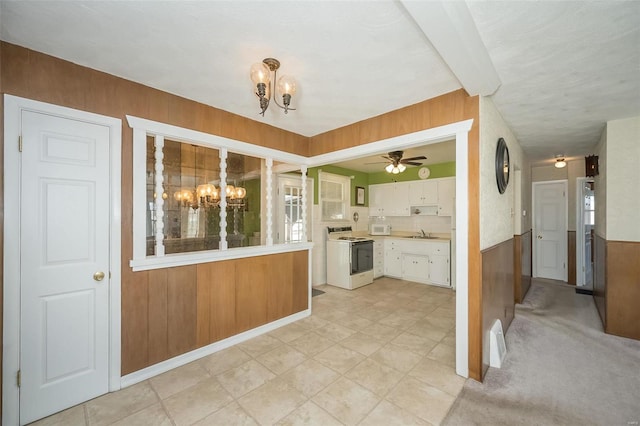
[563, 68]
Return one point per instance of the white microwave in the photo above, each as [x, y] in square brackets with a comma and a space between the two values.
[379, 229]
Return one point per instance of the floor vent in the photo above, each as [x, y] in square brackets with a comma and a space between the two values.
[497, 346]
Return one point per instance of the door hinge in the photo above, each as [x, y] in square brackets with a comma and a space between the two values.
[19, 378]
[20, 143]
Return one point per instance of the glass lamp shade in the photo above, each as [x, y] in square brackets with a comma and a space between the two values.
[240, 192]
[402, 167]
[206, 189]
[260, 73]
[389, 168]
[184, 195]
[287, 85]
[560, 163]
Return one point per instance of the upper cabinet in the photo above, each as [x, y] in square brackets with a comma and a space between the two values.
[389, 199]
[397, 199]
[446, 196]
[423, 192]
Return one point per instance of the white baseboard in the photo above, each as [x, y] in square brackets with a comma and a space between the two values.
[180, 360]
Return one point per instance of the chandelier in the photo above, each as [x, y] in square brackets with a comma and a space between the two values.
[261, 76]
[208, 195]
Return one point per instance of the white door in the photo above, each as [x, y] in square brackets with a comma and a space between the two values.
[550, 229]
[64, 249]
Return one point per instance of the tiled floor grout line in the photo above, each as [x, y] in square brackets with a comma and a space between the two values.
[376, 317]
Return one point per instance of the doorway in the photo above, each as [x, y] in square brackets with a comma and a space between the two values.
[550, 230]
[62, 259]
[585, 221]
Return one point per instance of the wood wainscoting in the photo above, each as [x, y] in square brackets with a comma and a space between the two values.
[616, 288]
[571, 257]
[189, 307]
[600, 276]
[622, 289]
[497, 292]
[521, 265]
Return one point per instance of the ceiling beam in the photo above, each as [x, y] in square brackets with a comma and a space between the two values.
[452, 31]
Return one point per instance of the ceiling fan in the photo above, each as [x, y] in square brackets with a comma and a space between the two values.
[397, 163]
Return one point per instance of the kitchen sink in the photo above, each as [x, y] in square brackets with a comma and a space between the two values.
[422, 237]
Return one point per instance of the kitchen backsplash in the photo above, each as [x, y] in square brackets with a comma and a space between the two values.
[437, 224]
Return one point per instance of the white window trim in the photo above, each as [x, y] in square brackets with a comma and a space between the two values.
[143, 128]
[345, 181]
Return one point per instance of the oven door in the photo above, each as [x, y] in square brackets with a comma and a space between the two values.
[361, 256]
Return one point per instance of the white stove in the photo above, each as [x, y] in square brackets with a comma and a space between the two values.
[349, 258]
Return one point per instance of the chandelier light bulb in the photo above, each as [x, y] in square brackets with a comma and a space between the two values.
[287, 85]
[260, 73]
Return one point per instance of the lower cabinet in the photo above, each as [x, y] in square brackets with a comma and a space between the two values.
[439, 270]
[426, 262]
[392, 259]
[415, 267]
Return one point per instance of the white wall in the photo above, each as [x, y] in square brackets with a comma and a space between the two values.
[496, 218]
[623, 180]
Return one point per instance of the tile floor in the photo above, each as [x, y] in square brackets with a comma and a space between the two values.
[380, 355]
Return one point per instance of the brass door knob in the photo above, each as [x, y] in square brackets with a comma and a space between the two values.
[98, 276]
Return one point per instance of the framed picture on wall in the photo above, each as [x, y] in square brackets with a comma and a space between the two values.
[359, 196]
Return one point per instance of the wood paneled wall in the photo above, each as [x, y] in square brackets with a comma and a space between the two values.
[497, 292]
[571, 257]
[522, 265]
[600, 276]
[193, 306]
[622, 291]
[446, 109]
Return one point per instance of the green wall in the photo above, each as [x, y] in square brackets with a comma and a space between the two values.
[437, 171]
[365, 179]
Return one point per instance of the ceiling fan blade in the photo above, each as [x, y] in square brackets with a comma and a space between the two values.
[422, 157]
[378, 162]
[411, 163]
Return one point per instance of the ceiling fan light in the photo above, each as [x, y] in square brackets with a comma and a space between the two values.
[402, 167]
[560, 163]
[389, 168]
[395, 170]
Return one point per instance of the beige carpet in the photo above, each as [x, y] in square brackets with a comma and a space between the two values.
[561, 369]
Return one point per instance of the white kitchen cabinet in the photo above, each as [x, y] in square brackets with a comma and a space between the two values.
[415, 267]
[392, 258]
[377, 202]
[439, 270]
[422, 261]
[423, 192]
[378, 258]
[389, 199]
[446, 196]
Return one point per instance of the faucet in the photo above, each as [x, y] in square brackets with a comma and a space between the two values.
[423, 234]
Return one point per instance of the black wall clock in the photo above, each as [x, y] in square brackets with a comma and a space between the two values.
[503, 165]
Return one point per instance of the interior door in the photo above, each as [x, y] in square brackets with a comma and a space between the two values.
[550, 229]
[64, 272]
